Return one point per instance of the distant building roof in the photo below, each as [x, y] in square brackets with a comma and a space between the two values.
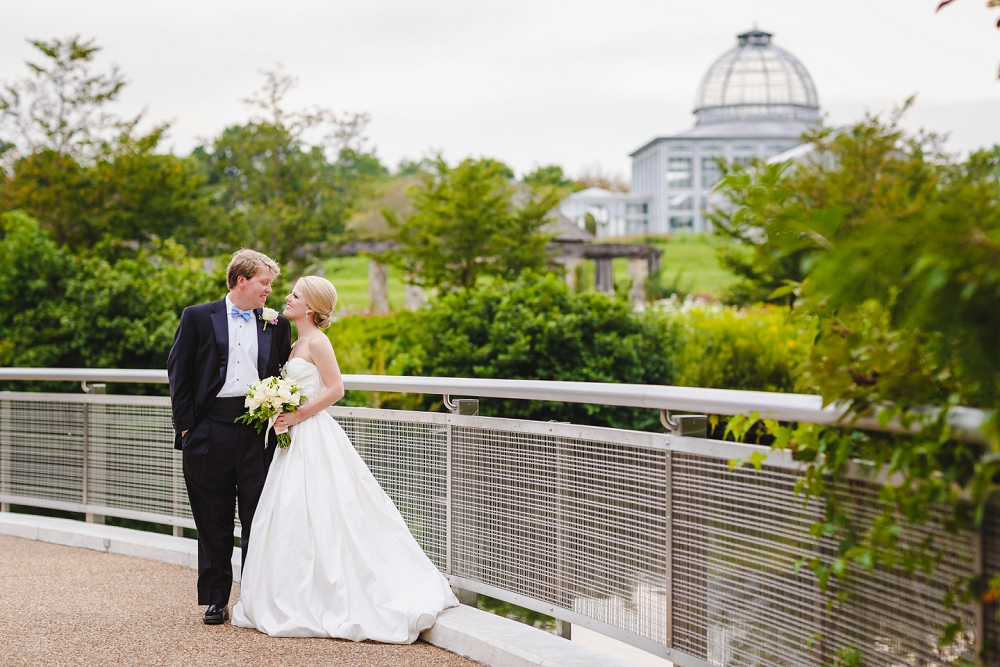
[755, 130]
[595, 192]
[566, 231]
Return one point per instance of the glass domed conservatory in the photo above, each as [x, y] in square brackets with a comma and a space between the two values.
[756, 81]
[756, 100]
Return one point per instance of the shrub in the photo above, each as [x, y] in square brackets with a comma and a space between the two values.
[534, 328]
[367, 345]
[752, 348]
[62, 310]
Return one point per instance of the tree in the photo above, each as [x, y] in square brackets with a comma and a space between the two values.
[779, 214]
[593, 176]
[551, 176]
[891, 249]
[408, 167]
[129, 193]
[64, 310]
[470, 221]
[83, 172]
[284, 195]
[61, 105]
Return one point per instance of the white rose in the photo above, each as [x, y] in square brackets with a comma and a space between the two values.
[269, 315]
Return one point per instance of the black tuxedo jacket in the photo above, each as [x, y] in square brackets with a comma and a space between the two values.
[196, 366]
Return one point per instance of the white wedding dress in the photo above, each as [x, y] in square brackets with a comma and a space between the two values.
[330, 554]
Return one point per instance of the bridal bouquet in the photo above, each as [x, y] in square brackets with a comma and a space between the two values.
[266, 400]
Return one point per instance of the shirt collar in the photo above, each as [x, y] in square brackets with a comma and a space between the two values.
[230, 305]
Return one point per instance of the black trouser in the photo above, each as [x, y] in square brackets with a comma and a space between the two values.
[222, 461]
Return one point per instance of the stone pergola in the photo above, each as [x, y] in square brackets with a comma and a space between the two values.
[570, 248]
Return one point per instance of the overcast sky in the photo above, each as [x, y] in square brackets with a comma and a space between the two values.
[528, 82]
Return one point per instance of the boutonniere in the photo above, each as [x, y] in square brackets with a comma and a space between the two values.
[270, 316]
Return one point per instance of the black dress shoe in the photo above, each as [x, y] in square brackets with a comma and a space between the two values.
[216, 614]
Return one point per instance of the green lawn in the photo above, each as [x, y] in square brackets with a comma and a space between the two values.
[350, 276]
[689, 262]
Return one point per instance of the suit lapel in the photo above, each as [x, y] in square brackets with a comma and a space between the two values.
[263, 343]
[220, 322]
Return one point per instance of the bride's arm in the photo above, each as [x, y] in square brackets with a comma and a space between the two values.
[325, 361]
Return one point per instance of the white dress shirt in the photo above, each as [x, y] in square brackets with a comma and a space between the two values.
[241, 371]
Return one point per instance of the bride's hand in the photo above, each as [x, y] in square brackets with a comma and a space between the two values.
[286, 419]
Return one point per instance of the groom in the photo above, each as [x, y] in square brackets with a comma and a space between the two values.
[220, 349]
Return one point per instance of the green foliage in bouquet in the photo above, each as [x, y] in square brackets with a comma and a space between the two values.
[268, 398]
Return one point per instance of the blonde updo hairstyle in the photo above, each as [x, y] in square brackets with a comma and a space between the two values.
[320, 296]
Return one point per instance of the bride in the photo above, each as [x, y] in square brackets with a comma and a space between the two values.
[331, 555]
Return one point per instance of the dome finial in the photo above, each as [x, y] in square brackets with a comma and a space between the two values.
[754, 37]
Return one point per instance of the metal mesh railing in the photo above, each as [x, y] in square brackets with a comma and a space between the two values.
[650, 538]
[578, 522]
[738, 600]
[409, 460]
[42, 453]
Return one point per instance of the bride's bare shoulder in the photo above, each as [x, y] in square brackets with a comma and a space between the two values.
[320, 345]
[313, 348]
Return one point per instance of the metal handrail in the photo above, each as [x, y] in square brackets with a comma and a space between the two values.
[805, 408]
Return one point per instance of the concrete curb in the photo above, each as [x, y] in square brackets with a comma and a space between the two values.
[491, 640]
[110, 539]
[500, 642]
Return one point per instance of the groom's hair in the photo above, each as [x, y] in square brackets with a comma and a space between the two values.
[248, 263]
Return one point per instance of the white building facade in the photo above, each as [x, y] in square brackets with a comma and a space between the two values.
[613, 213]
[755, 101]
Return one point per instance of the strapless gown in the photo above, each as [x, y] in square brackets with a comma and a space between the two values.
[331, 556]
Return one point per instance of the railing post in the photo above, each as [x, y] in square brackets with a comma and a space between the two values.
[177, 472]
[467, 407]
[668, 581]
[85, 494]
[979, 572]
[87, 468]
[563, 628]
[447, 501]
[5, 446]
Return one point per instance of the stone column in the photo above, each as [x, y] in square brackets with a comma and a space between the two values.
[604, 280]
[414, 297]
[570, 266]
[378, 290]
[638, 271]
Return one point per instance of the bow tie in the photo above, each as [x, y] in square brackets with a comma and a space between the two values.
[245, 314]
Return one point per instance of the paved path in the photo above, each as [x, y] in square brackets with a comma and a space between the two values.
[66, 606]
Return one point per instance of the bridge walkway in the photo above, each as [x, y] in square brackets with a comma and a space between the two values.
[68, 606]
